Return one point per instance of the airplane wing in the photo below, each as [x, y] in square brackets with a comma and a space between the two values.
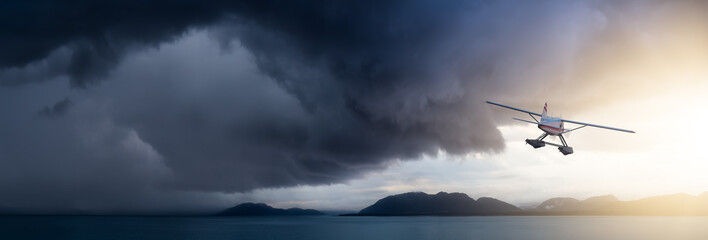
[513, 108]
[598, 126]
[568, 121]
[523, 120]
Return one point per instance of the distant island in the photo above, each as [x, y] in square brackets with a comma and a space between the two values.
[261, 209]
[442, 204]
[459, 204]
[564, 204]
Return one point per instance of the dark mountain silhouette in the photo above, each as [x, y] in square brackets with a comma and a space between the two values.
[261, 209]
[419, 203]
[572, 204]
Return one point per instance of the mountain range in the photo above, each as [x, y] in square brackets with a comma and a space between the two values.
[676, 204]
[459, 204]
[667, 205]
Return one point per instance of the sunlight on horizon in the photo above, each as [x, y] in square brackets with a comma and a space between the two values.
[663, 157]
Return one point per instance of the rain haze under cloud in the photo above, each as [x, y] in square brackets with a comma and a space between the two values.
[125, 106]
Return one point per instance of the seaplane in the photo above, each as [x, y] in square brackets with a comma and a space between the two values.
[553, 126]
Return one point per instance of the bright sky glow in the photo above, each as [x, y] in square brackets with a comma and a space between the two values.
[665, 156]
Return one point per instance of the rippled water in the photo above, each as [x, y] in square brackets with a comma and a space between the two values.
[409, 228]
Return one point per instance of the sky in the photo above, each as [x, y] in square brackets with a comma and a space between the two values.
[165, 106]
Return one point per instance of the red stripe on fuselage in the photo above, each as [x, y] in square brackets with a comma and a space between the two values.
[551, 130]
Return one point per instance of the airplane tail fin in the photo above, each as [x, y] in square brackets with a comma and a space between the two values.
[544, 114]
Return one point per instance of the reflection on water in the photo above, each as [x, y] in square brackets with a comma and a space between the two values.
[409, 228]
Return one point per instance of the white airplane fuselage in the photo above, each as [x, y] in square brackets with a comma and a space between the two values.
[552, 126]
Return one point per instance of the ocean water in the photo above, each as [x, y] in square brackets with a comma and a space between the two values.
[368, 228]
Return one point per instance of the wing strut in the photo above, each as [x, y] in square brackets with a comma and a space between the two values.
[534, 118]
[575, 128]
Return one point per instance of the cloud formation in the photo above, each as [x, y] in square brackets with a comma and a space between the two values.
[58, 109]
[236, 96]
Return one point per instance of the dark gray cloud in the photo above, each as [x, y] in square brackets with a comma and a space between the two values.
[59, 108]
[236, 96]
[96, 34]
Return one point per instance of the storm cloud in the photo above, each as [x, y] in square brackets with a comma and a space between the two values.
[180, 97]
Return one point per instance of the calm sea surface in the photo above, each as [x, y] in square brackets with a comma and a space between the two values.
[368, 228]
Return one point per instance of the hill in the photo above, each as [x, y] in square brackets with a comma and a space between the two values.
[572, 204]
[261, 209]
[668, 205]
[419, 203]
